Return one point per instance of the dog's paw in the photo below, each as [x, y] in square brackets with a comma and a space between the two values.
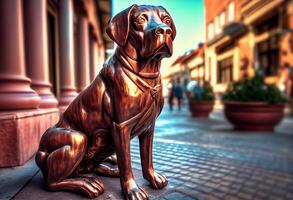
[137, 194]
[106, 170]
[93, 186]
[133, 192]
[156, 180]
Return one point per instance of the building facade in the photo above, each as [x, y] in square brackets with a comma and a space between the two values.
[189, 66]
[195, 64]
[49, 51]
[243, 36]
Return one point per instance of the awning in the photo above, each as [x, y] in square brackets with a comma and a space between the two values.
[232, 30]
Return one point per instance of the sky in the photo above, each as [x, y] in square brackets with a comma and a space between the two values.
[188, 16]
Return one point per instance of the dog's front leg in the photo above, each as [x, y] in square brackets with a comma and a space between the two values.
[121, 137]
[156, 180]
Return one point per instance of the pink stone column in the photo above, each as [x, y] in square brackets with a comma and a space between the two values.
[83, 66]
[36, 45]
[101, 55]
[68, 89]
[93, 58]
[15, 90]
[97, 66]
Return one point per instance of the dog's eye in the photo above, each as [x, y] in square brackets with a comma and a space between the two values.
[167, 20]
[140, 20]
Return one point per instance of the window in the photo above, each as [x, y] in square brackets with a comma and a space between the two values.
[217, 25]
[194, 74]
[225, 70]
[201, 73]
[210, 31]
[197, 73]
[268, 53]
[272, 23]
[222, 19]
[231, 11]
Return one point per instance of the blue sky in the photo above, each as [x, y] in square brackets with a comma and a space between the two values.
[189, 20]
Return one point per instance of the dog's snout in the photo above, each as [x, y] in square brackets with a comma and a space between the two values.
[163, 30]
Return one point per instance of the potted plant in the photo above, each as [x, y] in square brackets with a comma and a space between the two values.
[253, 105]
[201, 99]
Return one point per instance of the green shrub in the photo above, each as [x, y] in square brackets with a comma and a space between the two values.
[204, 93]
[254, 90]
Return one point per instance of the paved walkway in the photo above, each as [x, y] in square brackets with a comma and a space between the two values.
[202, 158]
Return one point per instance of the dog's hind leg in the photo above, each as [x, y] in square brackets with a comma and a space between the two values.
[89, 186]
[66, 149]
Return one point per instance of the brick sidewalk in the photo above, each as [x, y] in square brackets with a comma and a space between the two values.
[208, 172]
[204, 159]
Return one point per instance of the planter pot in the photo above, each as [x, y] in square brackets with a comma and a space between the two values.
[253, 116]
[201, 108]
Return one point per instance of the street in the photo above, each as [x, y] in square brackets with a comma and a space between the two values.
[205, 158]
[202, 159]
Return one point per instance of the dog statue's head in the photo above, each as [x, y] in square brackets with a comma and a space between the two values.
[149, 29]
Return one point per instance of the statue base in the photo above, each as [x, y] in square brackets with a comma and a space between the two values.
[20, 133]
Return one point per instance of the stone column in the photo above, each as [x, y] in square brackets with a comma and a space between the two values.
[68, 89]
[93, 58]
[36, 45]
[101, 55]
[83, 66]
[15, 91]
[98, 67]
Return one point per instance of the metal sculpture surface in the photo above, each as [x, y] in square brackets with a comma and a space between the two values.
[122, 102]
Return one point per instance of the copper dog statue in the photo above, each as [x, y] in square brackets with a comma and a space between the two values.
[122, 102]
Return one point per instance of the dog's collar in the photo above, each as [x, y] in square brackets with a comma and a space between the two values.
[133, 65]
[137, 79]
[142, 85]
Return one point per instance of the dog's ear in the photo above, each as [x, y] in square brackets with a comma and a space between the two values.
[118, 27]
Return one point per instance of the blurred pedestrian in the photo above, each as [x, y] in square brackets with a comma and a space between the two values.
[289, 88]
[289, 83]
[179, 93]
[171, 95]
[285, 82]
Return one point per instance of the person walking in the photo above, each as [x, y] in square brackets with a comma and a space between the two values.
[179, 93]
[171, 95]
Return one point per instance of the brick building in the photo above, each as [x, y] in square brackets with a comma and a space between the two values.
[244, 35]
[49, 51]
